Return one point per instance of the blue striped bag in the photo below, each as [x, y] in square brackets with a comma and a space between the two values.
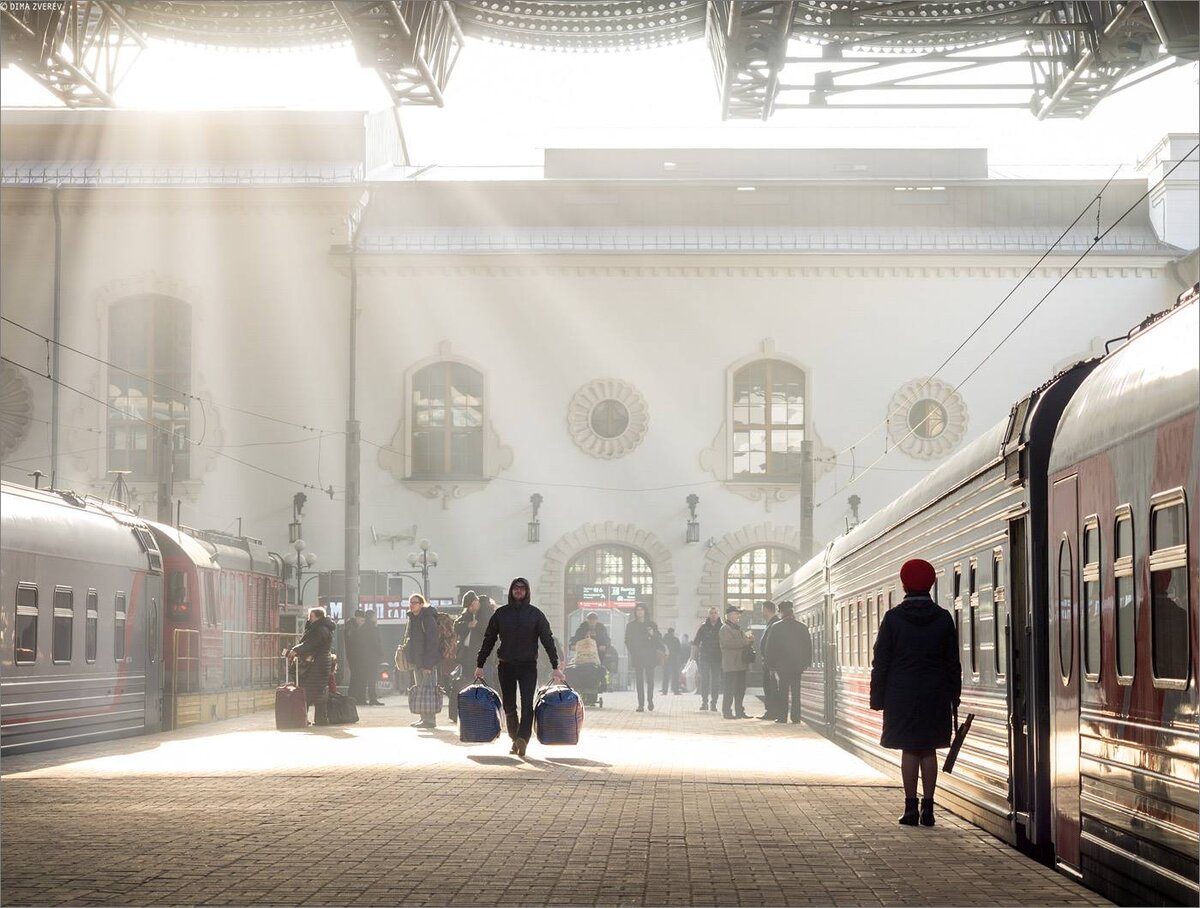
[558, 715]
[478, 714]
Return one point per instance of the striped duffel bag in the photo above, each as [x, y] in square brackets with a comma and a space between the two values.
[478, 714]
[558, 715]
[425, 699]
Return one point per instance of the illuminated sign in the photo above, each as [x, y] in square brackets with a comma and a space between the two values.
[608, 597]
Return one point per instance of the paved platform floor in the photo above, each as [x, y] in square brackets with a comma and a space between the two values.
[674, 807]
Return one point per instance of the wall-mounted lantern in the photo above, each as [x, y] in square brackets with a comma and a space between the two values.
[534, 533]
[693, 525]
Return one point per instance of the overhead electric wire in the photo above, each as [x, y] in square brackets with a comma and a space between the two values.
[1095, 201]
[1066, 273]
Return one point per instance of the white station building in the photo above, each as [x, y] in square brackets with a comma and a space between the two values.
[703, 364]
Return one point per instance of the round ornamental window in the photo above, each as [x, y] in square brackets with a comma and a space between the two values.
[607, 418]
[927, 418]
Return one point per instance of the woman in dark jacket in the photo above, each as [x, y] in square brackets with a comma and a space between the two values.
[643, 643]
[312, 653]
[916, 679]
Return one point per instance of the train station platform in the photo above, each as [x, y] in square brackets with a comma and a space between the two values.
[674, 807]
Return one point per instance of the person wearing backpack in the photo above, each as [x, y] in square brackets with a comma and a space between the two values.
[519, 626]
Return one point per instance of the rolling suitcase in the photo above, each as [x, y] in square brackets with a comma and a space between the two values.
[558, 715]
[291, 707]
[478, 714]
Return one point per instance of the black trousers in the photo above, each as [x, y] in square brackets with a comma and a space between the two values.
[362, 683]
[735, 692]
[523, 674]
[789, 686]
[771, 695]
[644, 677]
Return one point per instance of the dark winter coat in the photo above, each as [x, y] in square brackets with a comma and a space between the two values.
[643, 643]
[312, 655]
[470, 639]
[916, 676]
[671, 642]
[708, 643]
[423, 643]
[787, 647]
[600, 632]
[519, 626]
[367, 650]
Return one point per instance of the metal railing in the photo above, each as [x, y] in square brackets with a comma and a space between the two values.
[247, 660]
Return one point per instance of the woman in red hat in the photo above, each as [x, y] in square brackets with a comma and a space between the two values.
[916, 679]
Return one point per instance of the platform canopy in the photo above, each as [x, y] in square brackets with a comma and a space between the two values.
[1057, 59]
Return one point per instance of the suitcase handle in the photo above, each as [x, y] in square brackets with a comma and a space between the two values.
[287, 672]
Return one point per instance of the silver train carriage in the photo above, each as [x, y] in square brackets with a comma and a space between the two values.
[994, 522]
[80, 622]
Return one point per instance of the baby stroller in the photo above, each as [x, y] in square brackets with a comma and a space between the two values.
[589, 680]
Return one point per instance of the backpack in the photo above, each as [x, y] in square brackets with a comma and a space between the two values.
[447, 636]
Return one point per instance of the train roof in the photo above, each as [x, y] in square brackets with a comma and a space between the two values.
[1150, 381]
[175, 542]
[213, 549]
[63, 524]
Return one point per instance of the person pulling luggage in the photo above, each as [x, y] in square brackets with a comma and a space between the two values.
[518, 625]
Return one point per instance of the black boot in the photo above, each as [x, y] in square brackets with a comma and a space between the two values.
[926, 811]
[910, 817]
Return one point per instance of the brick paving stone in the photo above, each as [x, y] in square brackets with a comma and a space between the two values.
[674, 807]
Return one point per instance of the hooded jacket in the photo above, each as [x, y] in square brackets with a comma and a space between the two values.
[423, 642]
[519, 626]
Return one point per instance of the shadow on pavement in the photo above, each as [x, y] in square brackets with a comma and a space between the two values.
[488, 760]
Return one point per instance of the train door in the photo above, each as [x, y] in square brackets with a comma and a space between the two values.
[154, 661]
[1020, 679]
[1064, 673]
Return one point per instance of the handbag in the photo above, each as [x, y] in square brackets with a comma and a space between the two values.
[425, 699]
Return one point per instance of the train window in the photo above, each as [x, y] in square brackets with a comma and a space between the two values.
[177, 596]
[872, 625]
[999, 615]
[863, 657]
[1066, 606]
[1091, 599]
[956, 605]
[1126, 603]
[1169, 593]
[62, 639]
[973, 606]
[890, 593]
[91, 626]
[25, 637]
[210, 598]
[119, 602]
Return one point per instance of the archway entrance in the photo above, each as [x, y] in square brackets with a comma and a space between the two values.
[611, 580]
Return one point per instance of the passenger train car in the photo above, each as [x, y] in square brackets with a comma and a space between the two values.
[81, 623]
[1065, 544]
[111, 625]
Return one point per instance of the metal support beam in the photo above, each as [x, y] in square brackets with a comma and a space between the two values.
[748, 42]
[412, 44]
[80, 50]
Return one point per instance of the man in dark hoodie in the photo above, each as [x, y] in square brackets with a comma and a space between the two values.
[519, 625]
[916, 679]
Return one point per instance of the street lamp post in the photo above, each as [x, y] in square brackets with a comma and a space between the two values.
[299, 560]
[423, 561]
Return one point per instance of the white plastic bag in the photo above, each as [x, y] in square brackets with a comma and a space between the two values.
[688, 676]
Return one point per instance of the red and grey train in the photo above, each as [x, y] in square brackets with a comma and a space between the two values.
[107, 619]
[1065, 541]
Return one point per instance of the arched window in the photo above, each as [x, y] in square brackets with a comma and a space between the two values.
[149, 413]
[768, 420]
[750, 576]
[447, 421]
[611, 580]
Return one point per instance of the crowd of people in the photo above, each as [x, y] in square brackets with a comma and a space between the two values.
[916, 677]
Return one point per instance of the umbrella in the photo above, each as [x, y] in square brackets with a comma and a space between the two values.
[959, 736]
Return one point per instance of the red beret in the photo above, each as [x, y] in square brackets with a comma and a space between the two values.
[918, 576]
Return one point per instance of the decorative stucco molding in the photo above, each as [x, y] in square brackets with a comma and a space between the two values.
[16, 408]
[926, 418]
[721, 553]
[396, 458]
[616, 393]
[552, 590]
